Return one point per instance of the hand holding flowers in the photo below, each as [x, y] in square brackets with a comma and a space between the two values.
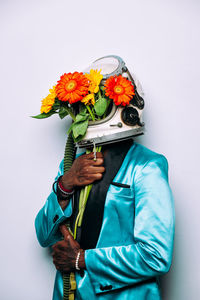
[85, 170]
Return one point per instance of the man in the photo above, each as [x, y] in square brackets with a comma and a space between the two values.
[134, 244]
[125, 241]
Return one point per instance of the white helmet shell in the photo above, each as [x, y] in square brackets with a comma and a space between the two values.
[122, 122]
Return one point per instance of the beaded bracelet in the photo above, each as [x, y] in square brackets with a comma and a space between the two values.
[63, 190]
[77, 260]
[65, 194]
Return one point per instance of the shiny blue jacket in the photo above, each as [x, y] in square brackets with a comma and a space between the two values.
[136, 239]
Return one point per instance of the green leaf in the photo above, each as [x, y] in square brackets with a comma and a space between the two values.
[44, 115]
[100, 106]
[81, 117]
[79, 129]
[70, 128]
[103, 91]
[63, 112]
[78, 139]
[83, 109]
[56, 104]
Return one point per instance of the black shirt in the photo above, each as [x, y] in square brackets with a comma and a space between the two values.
[88, 234]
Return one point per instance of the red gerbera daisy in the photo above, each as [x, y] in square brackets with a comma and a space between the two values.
[72, 87]
[120, 89]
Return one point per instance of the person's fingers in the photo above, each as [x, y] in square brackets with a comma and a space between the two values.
[89, 167]
[94, 170]
[91, 155]
[87, 163]
[97, 162]
[96, 176]
[89, 179]
[61, 245]
[68, 239]
[98, 154]
[65, 232]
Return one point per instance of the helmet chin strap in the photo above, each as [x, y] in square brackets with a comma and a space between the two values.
[94, 150]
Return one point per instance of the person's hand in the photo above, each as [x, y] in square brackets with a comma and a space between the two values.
[65, 253]
[85, 170]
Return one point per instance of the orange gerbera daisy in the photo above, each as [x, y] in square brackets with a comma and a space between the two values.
[120, 89]
[72, 87]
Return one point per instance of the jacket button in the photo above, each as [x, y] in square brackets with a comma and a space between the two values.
[106, 287]
[55, 218]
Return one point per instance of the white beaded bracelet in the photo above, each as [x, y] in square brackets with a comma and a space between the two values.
[77, 260]
[65, 192]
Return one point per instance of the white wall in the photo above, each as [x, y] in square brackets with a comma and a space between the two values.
[40, 40]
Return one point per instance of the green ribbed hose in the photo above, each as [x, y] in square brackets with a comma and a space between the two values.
[69, 155]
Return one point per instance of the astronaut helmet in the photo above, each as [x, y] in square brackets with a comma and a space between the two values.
[121, 122]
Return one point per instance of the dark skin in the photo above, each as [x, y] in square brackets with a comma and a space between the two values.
[65, 253]
[85, 170]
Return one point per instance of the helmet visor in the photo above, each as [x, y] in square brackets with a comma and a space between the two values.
[109, 65]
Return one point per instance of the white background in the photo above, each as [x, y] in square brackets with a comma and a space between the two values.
[40, 40]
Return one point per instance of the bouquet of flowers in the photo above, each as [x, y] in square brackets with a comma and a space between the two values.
[85, 98]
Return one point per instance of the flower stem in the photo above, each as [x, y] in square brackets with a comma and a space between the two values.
[84, 195]
[105, 113]
[91, 114]
[99, 94]
[71, 113]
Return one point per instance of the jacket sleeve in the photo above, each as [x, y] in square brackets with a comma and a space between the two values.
[151, 253]
[49, 218]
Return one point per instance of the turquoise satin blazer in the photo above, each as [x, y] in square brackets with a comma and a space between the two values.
[136, 239]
